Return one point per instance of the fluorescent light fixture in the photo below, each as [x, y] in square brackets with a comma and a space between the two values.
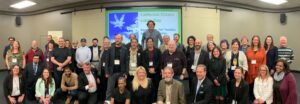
[22, 4]
[276, 2]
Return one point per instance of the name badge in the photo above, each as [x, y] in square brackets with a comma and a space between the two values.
[193, 68]
[133, 64]
[253, 61]
[14, 60]
[169, 65]
[151, 63]
[47, 59]
[234, 102]
[117, 62]
[168, 102]
[233, 67]
[103, 64]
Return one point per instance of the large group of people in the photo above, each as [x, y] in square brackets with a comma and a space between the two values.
[151, 72]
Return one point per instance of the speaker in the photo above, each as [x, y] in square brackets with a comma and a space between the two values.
[283, 18]
[18, 21]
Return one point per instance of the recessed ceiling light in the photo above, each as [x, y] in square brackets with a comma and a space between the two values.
[276, 2]
[22, 4]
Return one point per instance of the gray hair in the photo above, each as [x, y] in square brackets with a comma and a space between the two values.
[201, 66]
[169, 68]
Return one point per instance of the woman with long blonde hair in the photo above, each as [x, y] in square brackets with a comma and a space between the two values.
[141, 87]
[263, 86]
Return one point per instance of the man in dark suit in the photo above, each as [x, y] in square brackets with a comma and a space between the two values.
[31, 73]
[196, 57]
[87, 85]
[202, 92]
[117, 64]
[132, 36]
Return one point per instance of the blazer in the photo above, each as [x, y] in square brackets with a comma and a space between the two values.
[272, 56]
[138, 56]
[156, 60]
[8, 85]
[203, 59]
[29, 76]
[103, 63]
[242, 59]
[83, 81]
[40, 88]
[177, 93]
[123, 60]
[99, 51]
[204, 94]
[217, 71]
[240, 94]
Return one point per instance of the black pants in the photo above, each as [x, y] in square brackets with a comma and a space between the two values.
[87, 98]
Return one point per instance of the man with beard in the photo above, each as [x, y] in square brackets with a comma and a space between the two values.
[170, 91]
[196, 57]
[69, 85]
[117, 64]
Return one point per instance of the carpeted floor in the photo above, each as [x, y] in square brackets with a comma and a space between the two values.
[3, 74]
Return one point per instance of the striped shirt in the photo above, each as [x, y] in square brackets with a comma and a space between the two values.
[286, 53]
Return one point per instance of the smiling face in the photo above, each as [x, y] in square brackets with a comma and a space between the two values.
[200, 73]
[279, 67]
[235, 46]
[45, 74]
[238, 74]
[168, 73]
[216, 53]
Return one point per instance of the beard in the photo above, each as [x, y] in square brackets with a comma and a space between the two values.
[168, 79]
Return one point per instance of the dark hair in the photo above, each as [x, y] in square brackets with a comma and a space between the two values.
[241, 68]
[11, 72]
[177, 35]
[48, 81]
[259, 43]
[208, 45]
[149, 38]
[190, 37]
[224, 40]
[36, 55]
[95, 39]
[285, 64]
[13, 38]
[133, 39]
[105, 37]
[220, 56]
[67, 68]
[272, 43]
[150, 21]
[235, 40]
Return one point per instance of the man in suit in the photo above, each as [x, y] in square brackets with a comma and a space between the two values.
[196, 57]
[170, 91]
[87, 85]
[117, 64]
[31, 73]
[202, 92]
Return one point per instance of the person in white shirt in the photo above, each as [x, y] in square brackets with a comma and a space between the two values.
[263, 86]
[83, 54]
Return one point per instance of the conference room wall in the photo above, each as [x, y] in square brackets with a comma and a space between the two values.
[245, 22]
[33, 28]
[195, 21]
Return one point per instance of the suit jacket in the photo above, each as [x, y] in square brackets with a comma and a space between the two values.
[203, 59]
[83, 81]
[7, 47]
[103, 62]
[30, 77]
[8, 85]
[99, 51]
[123, 60]
[272, 56]
[156, 60]
[139, 57]
[204, 94]
[240, 94]
[177, 93]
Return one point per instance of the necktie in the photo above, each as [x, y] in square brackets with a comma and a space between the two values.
[34, 68]
[197, 89]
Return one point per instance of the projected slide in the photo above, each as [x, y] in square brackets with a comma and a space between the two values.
[128, 21]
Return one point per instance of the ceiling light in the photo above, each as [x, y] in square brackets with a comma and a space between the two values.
[276, 2]
[22, 4]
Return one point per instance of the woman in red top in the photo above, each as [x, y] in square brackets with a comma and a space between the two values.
[256, 56]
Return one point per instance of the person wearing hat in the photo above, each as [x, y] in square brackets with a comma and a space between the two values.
[83, 54]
